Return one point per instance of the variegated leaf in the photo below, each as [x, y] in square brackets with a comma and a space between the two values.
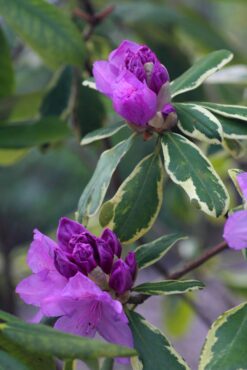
[225, 346]
[233, 147]
[200, 71]
[168, 287]
[233, 128]
[103, 133]
[154, 350]
[94, 193]
[230, 111]
[135, 206]
[198, 122]
[188, 167]
[148, 254]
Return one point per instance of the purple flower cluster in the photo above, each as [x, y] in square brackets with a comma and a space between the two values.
[235, 230]
[78, 280]
[138, 85]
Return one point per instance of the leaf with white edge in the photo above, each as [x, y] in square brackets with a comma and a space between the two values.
[46, 29]
[233, 128]
[43, 340]
[149, 253]
[152, 346]
[230, 111]
[225, 345]
[233, 147]
[168, 287]
[103, 133]
[95, 191]
[188, 167]
[200, 71]
[135, 207]
[90, 84]
[26, 135]
[198, 122]
[233, 173]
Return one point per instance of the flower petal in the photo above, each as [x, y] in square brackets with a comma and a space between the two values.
[41, 253]
[114, 328]
[66, 229]
[105, 74]
[235, 230]
[78, 323]
[242, 182]
[117, 56]
[81, 287]
[36, 287]
[133, 100]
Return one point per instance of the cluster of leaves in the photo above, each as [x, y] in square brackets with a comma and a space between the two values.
[136, 204]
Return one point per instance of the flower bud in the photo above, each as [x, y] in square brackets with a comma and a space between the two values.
[121, 277]
[105, 256]
[111, 239]
[83, 256]
[63, 265]
[130, 260]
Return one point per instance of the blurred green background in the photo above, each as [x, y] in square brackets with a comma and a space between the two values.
[45, 110]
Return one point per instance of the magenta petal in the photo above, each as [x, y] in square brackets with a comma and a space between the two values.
[242, 182]
[41, 253]
[104, 74]
[235, 230]
[66, 229]
[117, 56]
[114, 328]
[133, 100]
[81, 287]
[36, 287]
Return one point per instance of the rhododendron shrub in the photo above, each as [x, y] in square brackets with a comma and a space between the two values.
[89, 281]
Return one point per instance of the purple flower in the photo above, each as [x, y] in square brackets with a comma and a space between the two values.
[85, 309]
[123, 274]
[135, 81]
[53, 263]
[235, 230]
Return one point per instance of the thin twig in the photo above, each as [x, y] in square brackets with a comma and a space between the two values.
[140, 298]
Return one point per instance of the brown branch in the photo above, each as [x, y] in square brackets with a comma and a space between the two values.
[140, 298]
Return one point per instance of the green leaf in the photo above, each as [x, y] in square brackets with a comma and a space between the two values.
[233, 173]
[28, 359]
[167, 287]
[153, 347]
[95, 191]
[233, 147]
[225, 346]
[233, 128]
[103, 133]
[200, 71]
[198, 122]
[11, 156]
[57, 101]
[46, 29]
[188, 167]
[225, 110]
[149, 253]
[26, 135]
[6, 70]
[43, 340]
[134, 208]
[7, 362]
[90, 111]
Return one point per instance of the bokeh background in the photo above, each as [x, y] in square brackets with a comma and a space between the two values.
[39, 183]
